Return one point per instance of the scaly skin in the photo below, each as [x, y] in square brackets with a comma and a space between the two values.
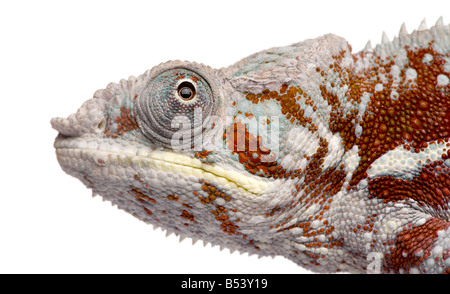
[337, 161]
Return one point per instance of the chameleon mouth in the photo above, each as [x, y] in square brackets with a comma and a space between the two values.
[189, 166]
[164, 161]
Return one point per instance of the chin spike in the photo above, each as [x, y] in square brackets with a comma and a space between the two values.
[403, 31]
[194, 241]
[168, 233]
[182, 238]
[384, 38]
[423, 25]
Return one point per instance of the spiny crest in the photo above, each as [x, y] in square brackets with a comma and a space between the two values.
[404, 36]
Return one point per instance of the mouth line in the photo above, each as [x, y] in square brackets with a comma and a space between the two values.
[168, 162]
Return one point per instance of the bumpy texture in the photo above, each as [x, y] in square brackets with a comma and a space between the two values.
[338, 161]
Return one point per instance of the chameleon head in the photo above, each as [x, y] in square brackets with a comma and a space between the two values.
[175, 148]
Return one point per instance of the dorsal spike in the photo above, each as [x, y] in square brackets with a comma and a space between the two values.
[368, 46]
[384, 38]
[440, 22]
[423, 25]
[403, 31]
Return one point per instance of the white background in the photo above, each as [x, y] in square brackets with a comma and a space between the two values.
[55, 54]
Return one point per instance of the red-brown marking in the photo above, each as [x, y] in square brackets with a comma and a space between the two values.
[430, 187]
[413, 240]
[256, 158]
[288, 96]
[125, 123]
[140, 195]
[417, 115]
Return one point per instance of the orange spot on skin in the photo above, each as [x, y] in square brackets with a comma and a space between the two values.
[203, 154]
[249, 115]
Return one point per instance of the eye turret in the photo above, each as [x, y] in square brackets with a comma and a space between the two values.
[176, 102]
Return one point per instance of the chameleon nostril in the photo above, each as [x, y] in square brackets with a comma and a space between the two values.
[101, 125]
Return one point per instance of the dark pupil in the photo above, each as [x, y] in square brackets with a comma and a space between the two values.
[186, 93]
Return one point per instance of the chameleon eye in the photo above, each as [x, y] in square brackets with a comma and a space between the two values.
[167, 107]
[186, 91]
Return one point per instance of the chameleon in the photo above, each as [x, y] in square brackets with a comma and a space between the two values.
[337, 161]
